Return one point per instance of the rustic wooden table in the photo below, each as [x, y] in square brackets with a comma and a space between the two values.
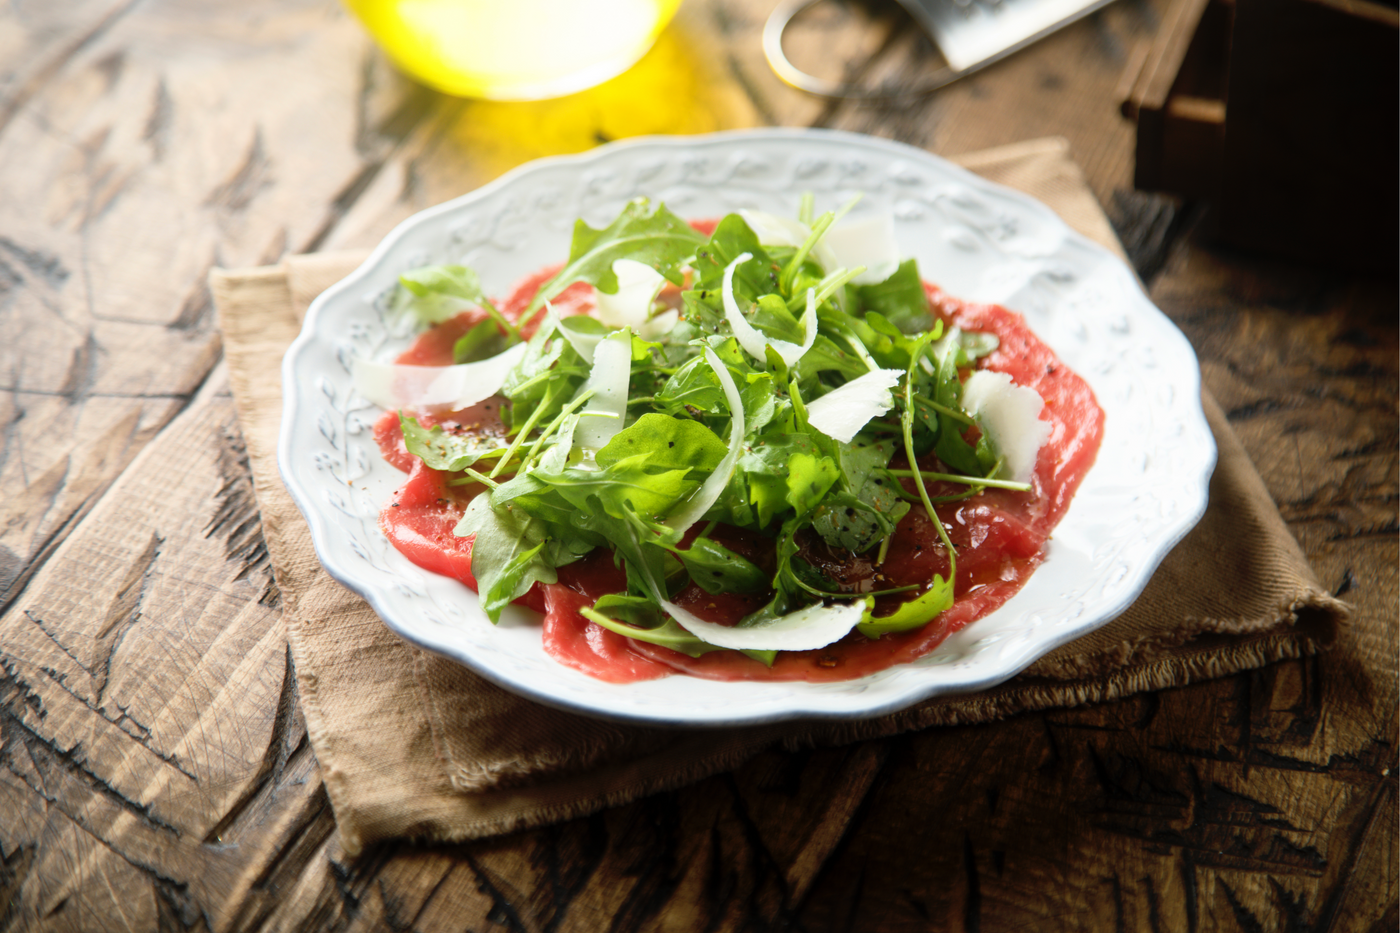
[156, 772]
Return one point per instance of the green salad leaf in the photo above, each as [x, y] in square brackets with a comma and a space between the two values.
[655, 237]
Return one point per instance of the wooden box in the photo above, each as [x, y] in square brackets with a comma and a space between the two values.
[1285, 114]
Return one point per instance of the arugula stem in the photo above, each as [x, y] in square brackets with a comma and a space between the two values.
[798, 408]
[921, 475]
[859, 348]
[953, 413]
[524, 432]
[807, 206]
[825, 288]
[501, 321]
[486, 481]
[831, 283]
[907, 422]
[534, 309]
[939, 500]
[552, 373]
[846, 208]
[554, 425]
[819, 229]
[827, 594]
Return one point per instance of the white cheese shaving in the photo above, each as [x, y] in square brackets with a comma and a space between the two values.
[394, 386]
[699, 503]
[637, 286]
[804, 630]
[868, 243]
[774, 230]
[583, 343]
[753, 340]
[1009, 415]
[603, 415]
[841, 413]
[659, 326]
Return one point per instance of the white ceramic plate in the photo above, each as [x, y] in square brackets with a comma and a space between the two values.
[977, 239]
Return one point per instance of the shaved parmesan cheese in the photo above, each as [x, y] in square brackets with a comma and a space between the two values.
[773, 230]
[660, 325]
[1009, 415]
[704, 497]
[582, 342]
[603, 415]
[389, 385]
[804, 630]
[637, 286]
[753, 340]
[868, 243]
[841, 413]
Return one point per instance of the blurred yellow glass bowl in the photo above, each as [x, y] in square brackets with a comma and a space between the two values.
[514, 49]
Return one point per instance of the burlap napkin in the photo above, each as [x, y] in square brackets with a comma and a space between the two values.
[411, 744]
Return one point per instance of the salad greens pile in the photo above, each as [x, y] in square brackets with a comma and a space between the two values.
[773, 399]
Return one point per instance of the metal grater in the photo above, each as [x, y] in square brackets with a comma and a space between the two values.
[975, 33]
[970, 34]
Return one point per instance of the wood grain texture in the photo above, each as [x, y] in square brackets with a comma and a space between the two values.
[156, 773]
[145, 143]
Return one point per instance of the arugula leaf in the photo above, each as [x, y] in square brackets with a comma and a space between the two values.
[900, 299]
[527, 493]
[950, 447]
[456, 281]
[443, 451]
[808, 479]
[622, 488]
[507, 555]
[482, 341]
[976, 344]
[437, 294]
[760, 404]
[827, 355]
[732, 238]
[667, 444]
[657, 238]
[634, 610]
[869, 507]
[856, 523]
[692, 386]
[911, 615]
[865, 461]
[551, 371]
[770, 315]
[716, 569]
[764, 468]
[646, 566]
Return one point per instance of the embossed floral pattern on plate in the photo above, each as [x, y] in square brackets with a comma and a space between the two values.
[976, 239]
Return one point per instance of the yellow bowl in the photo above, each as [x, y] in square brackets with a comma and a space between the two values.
[514, 49]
